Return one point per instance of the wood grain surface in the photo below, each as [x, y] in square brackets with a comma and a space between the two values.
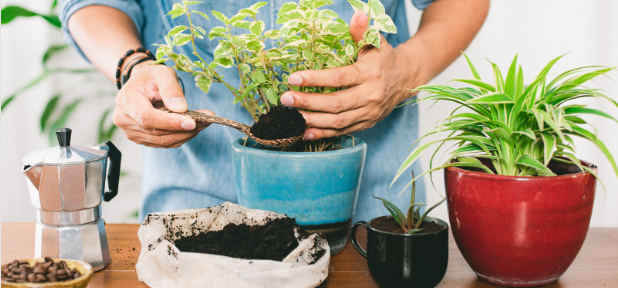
[595, 266]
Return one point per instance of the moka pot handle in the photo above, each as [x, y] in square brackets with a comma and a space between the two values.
[113, 177]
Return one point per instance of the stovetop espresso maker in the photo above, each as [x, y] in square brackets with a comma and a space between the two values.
[66, 185]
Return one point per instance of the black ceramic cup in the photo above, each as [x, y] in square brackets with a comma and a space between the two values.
[404, 260]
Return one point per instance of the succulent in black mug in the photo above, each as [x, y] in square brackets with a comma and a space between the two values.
[405, 251]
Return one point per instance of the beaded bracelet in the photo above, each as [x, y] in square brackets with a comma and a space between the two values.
[124, 57]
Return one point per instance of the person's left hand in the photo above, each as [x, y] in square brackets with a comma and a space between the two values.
[376, 84]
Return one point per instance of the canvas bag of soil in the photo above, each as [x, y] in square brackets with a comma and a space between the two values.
[161, 264]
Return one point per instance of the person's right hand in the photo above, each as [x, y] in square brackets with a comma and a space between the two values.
[137, 116]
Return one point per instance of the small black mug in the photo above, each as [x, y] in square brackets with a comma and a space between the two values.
[404, 260]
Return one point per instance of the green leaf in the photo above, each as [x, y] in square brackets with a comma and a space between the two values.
[527, 160]
[175, 12]
[549, 146]
[6, 101]
[359, 6]
[259, 76]
[220, 16]
[176, 30]
[9, 13]
[61, 121]
[257, 27]
[201, 14]
[478, 83]
[491, 98]
[53, 50]
[49, 109]
[581, 110]
[474, 72]
[272, 96]
[399, 217]
[203, 83]
[102, 133]
[255, 45]
[468, 159]
[427, 212]
[286, 7]
[377, 8]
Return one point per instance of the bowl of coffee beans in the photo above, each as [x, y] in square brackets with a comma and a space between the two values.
[46, 273]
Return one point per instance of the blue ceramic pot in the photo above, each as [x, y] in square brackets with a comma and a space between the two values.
[319, 189]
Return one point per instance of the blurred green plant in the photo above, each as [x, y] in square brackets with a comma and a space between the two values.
[56, 114]
[411, 223]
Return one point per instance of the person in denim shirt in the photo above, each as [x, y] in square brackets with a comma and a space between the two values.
[195, 170]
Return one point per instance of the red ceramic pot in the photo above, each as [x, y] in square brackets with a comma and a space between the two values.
[519, 231]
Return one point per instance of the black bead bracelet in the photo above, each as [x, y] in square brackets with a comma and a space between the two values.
[127, 73]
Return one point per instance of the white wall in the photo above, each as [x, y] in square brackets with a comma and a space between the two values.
[537, 30]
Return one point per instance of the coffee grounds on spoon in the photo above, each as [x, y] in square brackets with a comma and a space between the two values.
[279, 123]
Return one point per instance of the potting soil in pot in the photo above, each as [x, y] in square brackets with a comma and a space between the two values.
[388, 224]
[272, 241]
[279, 123]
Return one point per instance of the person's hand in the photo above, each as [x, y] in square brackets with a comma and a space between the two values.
[135, 110]
[377, 83]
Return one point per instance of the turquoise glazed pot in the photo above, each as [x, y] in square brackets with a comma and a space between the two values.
[318, 189]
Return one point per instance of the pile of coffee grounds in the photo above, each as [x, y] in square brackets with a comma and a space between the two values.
[272, 241]
[279, 123]
[388, 224]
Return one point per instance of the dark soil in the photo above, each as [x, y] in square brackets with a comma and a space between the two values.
[388, 224]
[279, 123]
[272, 241]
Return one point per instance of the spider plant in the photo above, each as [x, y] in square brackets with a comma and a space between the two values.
[411, 223]
[519, 128]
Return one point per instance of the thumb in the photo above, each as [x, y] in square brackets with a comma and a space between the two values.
[171, 93]
[358, 25]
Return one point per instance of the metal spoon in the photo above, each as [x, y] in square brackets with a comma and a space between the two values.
[202, 117]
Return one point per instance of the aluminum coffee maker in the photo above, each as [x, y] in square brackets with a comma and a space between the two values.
[67, 186]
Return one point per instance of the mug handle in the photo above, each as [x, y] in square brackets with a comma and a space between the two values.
[354, 240]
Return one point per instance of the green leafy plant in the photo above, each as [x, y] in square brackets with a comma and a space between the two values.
[310, 38]
[410, 223]
[519, 128]
[56, 113]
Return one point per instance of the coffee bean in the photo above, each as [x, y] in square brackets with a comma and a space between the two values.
[52, 269]
[31, 277]
[11, 280]
[51, 277]
[61, 272]
[40, 278]
[49, 259]
[40, 270]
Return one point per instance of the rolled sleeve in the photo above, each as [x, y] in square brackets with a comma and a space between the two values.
[422, 4]
[68, 7]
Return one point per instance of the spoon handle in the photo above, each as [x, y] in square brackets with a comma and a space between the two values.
[202, 117]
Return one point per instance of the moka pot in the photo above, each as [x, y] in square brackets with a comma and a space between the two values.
[66, 185]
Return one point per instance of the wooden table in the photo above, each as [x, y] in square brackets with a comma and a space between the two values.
[596, 265]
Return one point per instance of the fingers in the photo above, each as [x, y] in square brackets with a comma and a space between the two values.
[316, 134]
[164, 141]
[170, 90]
[338, 121]
[358, 25]
[154, 137]
[335, 102]
[335, 77]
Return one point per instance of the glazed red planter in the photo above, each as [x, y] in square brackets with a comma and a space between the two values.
[519, 231]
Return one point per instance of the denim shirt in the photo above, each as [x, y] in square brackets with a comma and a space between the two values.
[199, 173]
